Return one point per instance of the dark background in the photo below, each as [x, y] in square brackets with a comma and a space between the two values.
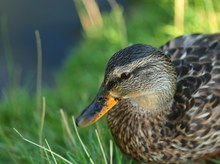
[60, 32]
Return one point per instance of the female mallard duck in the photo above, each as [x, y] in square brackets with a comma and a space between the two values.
[163, 104]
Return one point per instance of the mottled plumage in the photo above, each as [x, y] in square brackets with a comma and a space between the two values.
[168, 111]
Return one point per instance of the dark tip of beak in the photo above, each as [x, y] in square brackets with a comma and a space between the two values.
[77, 121]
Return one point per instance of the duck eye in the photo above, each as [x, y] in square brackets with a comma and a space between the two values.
[125, 75]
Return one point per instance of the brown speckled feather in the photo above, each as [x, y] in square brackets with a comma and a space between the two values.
[191, 130]
[197, 62]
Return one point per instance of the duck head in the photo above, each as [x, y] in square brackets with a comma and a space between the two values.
[139, 73]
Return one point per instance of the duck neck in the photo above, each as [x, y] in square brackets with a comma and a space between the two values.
[155, 103]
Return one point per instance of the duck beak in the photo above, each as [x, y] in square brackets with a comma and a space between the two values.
[102, 103]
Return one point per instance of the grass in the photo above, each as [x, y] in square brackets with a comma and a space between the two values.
[151, 22]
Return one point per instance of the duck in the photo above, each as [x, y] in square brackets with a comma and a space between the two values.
[162, 104]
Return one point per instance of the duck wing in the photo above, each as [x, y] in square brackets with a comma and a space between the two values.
[196, 58]
[196, 104]
[189, 40]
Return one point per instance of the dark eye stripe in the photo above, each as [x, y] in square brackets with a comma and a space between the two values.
[111, 84]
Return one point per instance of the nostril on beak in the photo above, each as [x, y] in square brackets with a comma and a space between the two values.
[100, 99]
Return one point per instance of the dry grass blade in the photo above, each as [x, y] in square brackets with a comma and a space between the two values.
[84, 148]
[89, 14]
[51, 151]
[111, 152]
[66, 126]
[93, 12]
[42, 124]
[39, 87]
[100, 144]
[39, 70]
[42, 147]
[211, 15]
[179, 15]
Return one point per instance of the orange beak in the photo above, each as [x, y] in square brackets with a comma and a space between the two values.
[100, 106]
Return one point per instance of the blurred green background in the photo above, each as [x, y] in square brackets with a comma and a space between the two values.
[37, 115]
